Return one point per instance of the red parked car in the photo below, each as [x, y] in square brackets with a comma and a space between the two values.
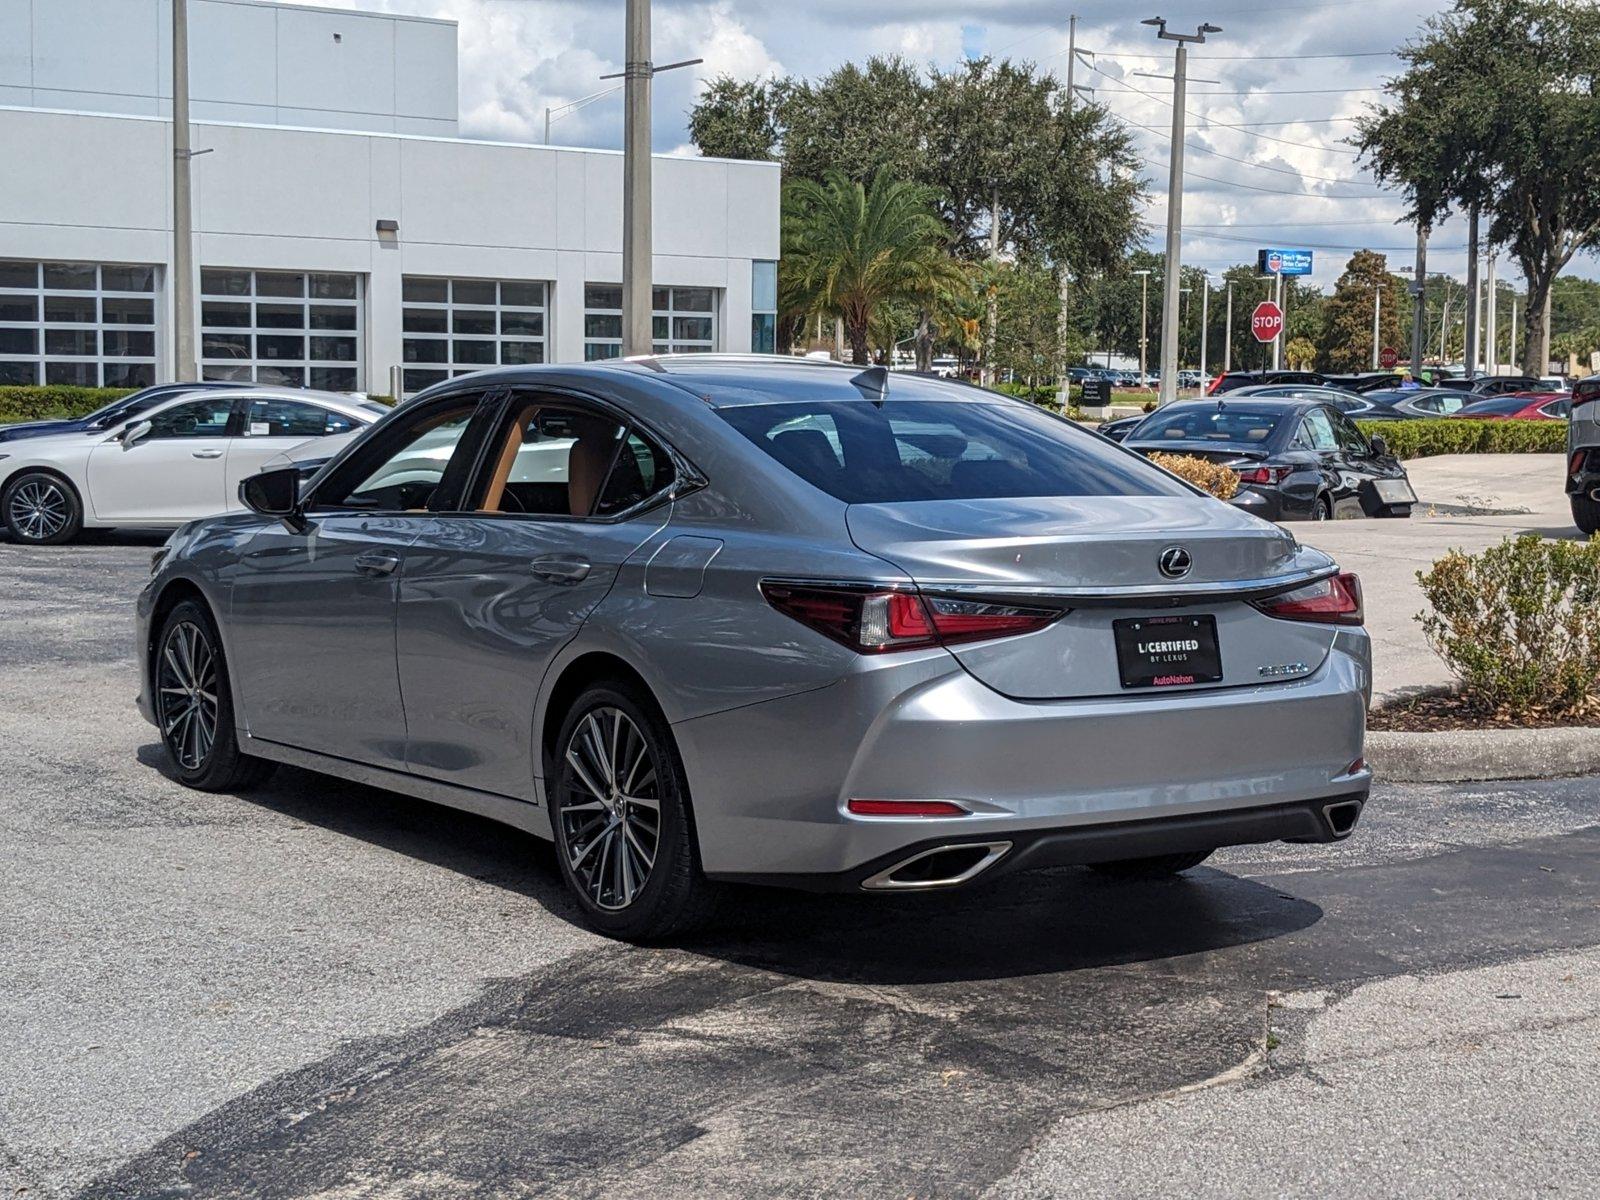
[1520, 406]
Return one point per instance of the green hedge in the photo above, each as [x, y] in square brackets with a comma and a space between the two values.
[46, 403]
[1425, 438]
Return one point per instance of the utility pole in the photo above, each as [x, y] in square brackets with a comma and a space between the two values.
[1470, 349]
[1227, 334]
[1205, 324]
[1514, 356]
[1490, 322]
[185, 366]
[1377, 304]
[637, 252]
[1169, 305]
[992, 309]
[1144, 323]
[1063, 285]
[1419, 316]
[1277, 342]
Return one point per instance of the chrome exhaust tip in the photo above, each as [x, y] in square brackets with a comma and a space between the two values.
[1594, 493]
[940, 867]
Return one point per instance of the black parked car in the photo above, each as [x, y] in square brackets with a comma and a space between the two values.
[1494, 385]
[117, 410]
[1296, 459]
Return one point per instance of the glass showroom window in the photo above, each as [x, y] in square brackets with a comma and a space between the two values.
[77, 323]
[684, 322]
[284, 328]
[457, 326]
[764, 307]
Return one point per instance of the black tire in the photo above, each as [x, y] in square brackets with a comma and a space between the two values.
[1585, 514]
[1159, 867]
[1322, 510]
[189, 648]
[675, 896]
[41, 509]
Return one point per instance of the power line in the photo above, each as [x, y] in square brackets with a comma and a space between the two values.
[1251, 187]
[1245, 161]
[1293, 92]
[1231, 237]
[1119, 54]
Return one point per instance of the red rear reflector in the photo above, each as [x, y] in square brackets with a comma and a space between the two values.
[1333, 601]
[873, 621]
[1356, 767]
[906, 808]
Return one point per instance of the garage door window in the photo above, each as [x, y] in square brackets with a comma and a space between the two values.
[684, 320]
[457, 326]
[85, 324]
[281, 328]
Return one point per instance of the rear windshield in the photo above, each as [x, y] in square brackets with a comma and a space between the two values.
[1207, 424]
[862, 453]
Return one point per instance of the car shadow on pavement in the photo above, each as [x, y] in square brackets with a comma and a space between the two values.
[1032, 923]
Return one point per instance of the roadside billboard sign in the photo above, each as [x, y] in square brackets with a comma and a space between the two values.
[1283, 262]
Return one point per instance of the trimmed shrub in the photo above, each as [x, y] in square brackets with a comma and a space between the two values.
[47, 403]
[1425, 438]
[1222, 482]
[1519, 625]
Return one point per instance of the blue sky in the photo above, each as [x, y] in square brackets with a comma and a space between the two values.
[1266, 163]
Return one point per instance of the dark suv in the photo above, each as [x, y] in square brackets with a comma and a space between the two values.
[1583, 454]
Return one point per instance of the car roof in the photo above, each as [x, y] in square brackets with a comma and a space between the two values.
[339, 401]
[739, 380]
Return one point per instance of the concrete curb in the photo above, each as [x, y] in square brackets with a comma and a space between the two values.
[1468, 755]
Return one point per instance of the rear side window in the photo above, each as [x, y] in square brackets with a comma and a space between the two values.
[864, 453]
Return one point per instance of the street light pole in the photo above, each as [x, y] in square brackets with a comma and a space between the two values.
[1227, 334]
[185, 366]
[1169, 306]
[1419, 314]
[1377, 304]
[1144, 322]
[1469, 352]
[1205, 322]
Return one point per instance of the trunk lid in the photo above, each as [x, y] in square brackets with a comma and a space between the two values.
[1209, 451]
[1100, 555]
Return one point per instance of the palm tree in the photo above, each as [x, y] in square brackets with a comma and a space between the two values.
[849, 250]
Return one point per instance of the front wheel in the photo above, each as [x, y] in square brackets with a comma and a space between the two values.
[1158, 867]
[41, 509]
[194, 705]
[620, 813]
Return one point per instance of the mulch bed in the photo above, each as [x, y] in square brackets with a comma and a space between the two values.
[1439, 712]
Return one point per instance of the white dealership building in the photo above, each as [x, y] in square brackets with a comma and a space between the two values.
[343, 227]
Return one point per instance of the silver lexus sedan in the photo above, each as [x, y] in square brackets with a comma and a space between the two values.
[704, 619]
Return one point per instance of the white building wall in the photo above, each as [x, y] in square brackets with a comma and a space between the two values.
[97, 189]
[249, 62]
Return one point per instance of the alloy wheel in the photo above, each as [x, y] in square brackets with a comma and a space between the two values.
[611, 808]
[187, 683]
[38, 509]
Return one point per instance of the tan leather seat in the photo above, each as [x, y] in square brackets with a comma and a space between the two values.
[588, 462]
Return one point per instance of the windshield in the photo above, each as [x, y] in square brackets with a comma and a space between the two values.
[1208, 424]
[864, 453]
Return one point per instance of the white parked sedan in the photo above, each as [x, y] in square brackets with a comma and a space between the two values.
[173, 463]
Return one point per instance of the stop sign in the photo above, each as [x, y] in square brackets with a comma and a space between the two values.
[1388, 358]
[1267, 321]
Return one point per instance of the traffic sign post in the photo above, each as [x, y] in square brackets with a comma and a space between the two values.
[1388, 358]
[1266, 322]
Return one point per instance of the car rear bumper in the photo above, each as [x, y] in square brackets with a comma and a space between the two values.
[770, 782]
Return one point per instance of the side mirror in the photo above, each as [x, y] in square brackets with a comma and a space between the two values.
[135, 433]
[1380, 447]
[275, 494]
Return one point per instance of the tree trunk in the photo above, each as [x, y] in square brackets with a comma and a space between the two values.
[924, 341]
[1536, 319]
[856, 331]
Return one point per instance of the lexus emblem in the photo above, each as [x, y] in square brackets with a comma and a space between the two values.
[1175, 562]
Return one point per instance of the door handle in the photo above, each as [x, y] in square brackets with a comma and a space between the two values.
[376, 562]
[208, 453]
[558, 569]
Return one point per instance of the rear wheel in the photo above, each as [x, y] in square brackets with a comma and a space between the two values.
[1322, 510]
[1158, 867]
[620, 813]
[1585, 514]
[194, 705]
[41, 509]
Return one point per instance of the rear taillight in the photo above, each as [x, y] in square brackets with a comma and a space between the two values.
[878, 620]
[1332, 601]
[1264, 474]
[1215, 384]
[905, 808]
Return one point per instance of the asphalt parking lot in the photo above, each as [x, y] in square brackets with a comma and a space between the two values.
[322, 990]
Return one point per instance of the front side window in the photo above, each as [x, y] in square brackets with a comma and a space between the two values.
[863, 453]
[405, 467]
[558, 460]
[1351, 439]
[196, 419]
[1318, 431]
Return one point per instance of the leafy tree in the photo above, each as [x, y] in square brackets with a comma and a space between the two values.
[1499, 107]
[1027, 341]
[737, 118]
[1300, 354]
[849, 250]
[1346, 343]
